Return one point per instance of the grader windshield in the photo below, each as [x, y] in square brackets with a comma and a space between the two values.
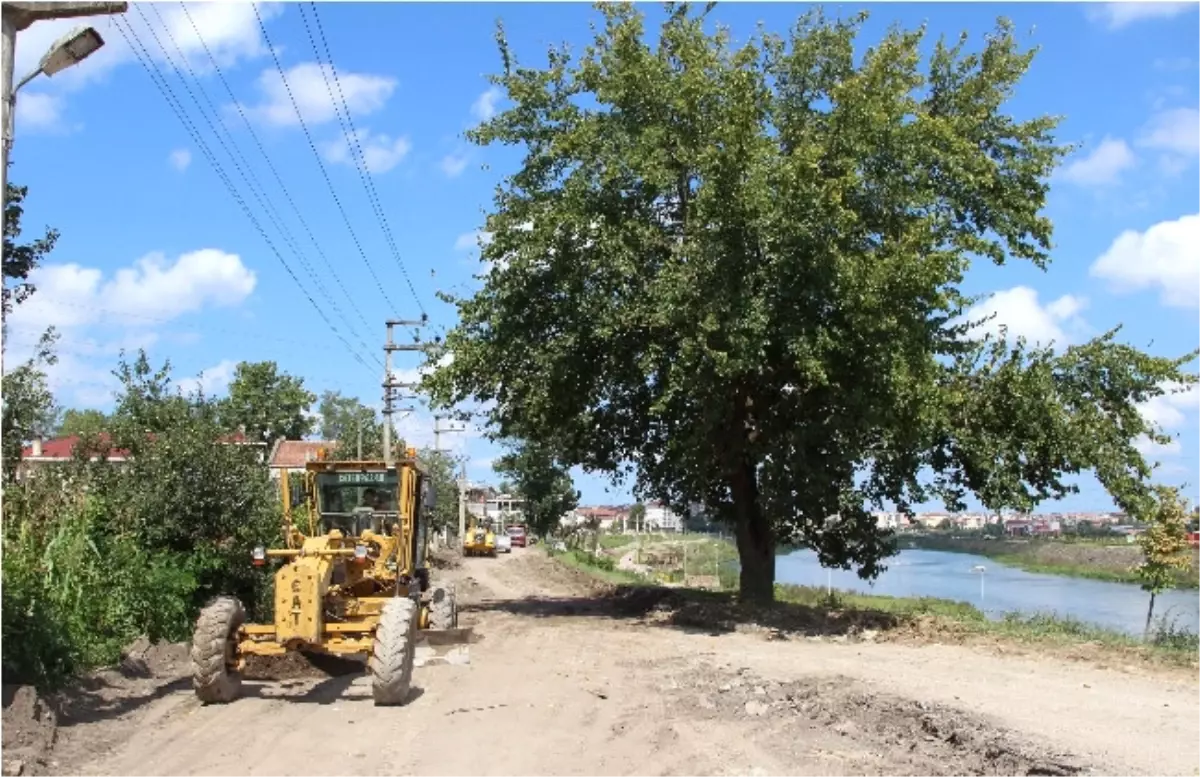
[356, 501]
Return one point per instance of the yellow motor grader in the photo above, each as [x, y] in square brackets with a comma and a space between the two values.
[479, 540]
[353, 581]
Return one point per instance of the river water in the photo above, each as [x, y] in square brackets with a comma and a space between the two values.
[1119, 606]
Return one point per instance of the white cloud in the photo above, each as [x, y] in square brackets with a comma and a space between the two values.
[1151, 449]
[454, 164]
[380, 153]
[212, 381]
[1169, 410]
[470, 240]
[180, 158]
[1118, 15]
[364, 94]
[1103, 165]
[1175, 131]
[39, 111]
[1018, 308]
[1167, 256]
[150, 291]
[484, 106]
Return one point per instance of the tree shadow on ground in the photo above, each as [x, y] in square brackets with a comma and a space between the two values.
[93, 699]
[329, 691]
[698, 611]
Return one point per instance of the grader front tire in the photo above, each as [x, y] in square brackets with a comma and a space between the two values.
[214, 647]
[443, 608]
[393, 653]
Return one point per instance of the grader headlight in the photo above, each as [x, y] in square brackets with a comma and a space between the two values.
[259, 556]
[360, 552]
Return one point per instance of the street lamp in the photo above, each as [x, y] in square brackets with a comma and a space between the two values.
[70, 49]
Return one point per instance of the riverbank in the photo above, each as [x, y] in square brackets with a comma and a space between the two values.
[1086, 559]
[932, 620]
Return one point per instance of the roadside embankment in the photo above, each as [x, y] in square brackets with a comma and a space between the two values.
[1095, 560]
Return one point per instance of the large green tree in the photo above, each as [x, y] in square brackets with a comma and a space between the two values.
[738, 270]
[82, 423]
[20, 259]
[342, 419]
[270, 404]
[543, 483]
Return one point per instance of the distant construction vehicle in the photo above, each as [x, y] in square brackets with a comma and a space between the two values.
[354, 581]
[479, 540]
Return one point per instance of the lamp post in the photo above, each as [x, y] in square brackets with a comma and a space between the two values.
[69, 50]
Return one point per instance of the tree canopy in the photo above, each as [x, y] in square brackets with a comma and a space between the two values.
[543, 483]
[736, 271]
[82, 423]
[269, 404]
[20, 259]
[30, 410]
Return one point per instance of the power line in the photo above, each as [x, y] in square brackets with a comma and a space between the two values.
[270, 165]
[239, 162]
[351, 134]
[168, 94]
[313, 147]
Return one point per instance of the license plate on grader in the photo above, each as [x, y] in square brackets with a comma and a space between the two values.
[356, 584]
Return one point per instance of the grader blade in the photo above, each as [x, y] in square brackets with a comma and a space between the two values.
[443, 646]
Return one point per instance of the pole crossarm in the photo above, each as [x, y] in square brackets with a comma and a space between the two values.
[24, 14]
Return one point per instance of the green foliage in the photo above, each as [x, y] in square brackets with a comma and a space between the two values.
[342, 418]
[440, 467]
[1164, 544]
[543, 483]
[637, 517]
[82, 423]
[270, 405]
[20, 259]
[736, 272]
[29, 407]
[96, 555]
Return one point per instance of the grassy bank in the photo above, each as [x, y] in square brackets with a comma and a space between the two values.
[1085, 559]
[812, 610]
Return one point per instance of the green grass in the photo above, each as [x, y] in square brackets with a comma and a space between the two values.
[596, 567]
[932, 619]
[611, 541]
[1089, 559]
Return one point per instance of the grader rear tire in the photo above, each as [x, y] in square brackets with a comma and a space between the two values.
[443, 608]
[391, 662]
[214, 650]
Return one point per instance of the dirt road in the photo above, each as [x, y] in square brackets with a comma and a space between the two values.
[564, 683]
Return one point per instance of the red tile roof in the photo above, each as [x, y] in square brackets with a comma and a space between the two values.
[292, 454]
[62, 448]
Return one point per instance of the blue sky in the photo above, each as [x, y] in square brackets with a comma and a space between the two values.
[156, 253]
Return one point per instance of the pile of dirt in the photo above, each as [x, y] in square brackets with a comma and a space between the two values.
[920, 738]
[294, 665]
[30, 728]
[146, 659]
[445, 558]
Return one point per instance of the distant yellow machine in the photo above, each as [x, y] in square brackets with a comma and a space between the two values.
[354, 580]
[479, 541]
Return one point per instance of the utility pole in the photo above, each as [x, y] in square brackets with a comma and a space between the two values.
[462, 502]
[69, 50]
[390, 383]
[462, 481]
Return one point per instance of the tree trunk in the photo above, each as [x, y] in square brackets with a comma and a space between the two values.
[1149, 616]
[755, 541]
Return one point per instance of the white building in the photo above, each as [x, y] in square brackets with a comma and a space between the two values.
[660, 518]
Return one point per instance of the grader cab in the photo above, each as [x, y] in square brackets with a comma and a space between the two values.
[354, 580]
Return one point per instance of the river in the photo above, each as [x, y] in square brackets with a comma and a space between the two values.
[1118, 606]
